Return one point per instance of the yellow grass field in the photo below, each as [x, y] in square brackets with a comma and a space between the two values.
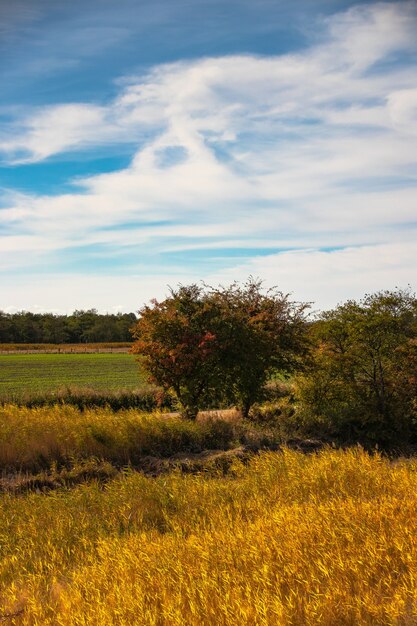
[322, 539]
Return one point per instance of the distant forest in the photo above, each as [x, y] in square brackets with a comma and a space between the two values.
[79, 327]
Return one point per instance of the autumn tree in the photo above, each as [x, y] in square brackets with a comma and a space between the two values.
[179, 345]
[219, 344]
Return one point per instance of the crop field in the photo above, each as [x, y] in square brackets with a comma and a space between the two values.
[287, 539]
[24, 374]
[9, 348]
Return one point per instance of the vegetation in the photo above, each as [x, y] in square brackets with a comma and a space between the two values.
[144, 398]
[80, 327]
[362, 379]
[177, 340]
[25, 376]
[265, 338]
[220, 346]
[289, 539]
[39, 439]
[217, 348]
[216, 529]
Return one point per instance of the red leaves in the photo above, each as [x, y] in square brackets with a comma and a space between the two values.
[224, 343]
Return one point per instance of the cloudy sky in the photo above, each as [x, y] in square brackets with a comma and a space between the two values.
[147, 143]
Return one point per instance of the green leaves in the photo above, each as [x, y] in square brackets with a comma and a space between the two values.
[361, 378]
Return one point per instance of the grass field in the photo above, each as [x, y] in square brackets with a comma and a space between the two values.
[215, 531]
[25, 374]
[290, 539]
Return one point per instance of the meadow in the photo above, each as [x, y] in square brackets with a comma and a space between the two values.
[126, 517]
[286, 539]
[39, 373]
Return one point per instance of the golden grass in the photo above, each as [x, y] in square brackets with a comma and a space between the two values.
[34, 439]
[326, 539]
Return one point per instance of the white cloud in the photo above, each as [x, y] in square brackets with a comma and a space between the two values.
[363, 35]
[64, 294]
[323, 278]
[402, 108]
[55, 129]
[328, 278]
[229, 95]
[306, 150]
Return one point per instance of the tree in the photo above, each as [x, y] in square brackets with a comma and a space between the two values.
[6, 328]
[54, 328]
[220, 344]
[266, 339]
[178, 347]
[81, 326]
[362, 379]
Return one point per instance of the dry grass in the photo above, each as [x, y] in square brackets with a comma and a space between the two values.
[327, 539]
[35, 439]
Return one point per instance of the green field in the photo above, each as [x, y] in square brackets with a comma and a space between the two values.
[22, 374]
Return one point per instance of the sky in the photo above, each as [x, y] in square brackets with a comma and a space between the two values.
[146, 144]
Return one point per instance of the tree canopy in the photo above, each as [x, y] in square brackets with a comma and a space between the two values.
[220, 344]
[363, 374]
[79, 327]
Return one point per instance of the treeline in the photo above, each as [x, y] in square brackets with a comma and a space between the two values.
[79, 327]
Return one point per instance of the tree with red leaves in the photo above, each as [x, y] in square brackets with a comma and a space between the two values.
[177, 340]
[211, 345]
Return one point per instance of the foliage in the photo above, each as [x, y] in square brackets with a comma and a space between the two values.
[362, 381]
[266, 339]
[79, 327]
[144, 398]
[179, 345]
[292, 539]
[220, 345]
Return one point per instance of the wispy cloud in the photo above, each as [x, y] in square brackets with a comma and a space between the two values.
[305, 150]
[334, 274]
[16, 14]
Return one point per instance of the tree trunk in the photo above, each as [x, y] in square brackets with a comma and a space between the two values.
[245, 408]
[190, 412]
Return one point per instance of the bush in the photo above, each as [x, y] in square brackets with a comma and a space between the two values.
[83, 398]
[362, 379]
[38, 439]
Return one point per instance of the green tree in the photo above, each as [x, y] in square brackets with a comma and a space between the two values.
[362, 379]
[6, 328]
[54, 328]
[266, 339]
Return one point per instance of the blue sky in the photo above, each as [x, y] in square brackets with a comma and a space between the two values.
[143, 144]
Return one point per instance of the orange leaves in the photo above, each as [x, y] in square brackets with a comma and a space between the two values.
[220, 344]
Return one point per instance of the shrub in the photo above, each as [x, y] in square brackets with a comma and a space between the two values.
[362, 379]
